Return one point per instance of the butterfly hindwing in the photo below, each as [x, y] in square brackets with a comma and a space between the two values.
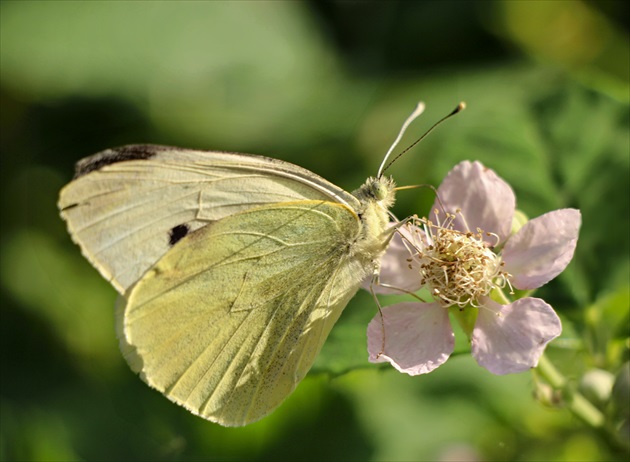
[230, 320]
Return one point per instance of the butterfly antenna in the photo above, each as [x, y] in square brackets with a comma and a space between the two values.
[416, 112]
[460, 107]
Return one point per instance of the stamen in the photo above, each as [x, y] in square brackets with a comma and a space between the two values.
[458, 267]
[461, 215]
[496, 237]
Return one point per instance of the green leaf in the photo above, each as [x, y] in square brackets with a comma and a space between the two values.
[607, 328]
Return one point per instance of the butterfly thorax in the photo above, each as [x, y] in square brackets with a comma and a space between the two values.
[376, 196]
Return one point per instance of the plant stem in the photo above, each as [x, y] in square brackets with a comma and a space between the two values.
[575, 401]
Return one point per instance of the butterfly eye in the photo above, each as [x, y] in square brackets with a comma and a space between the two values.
[381, 191]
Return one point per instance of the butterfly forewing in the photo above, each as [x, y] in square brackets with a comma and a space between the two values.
[128, 206]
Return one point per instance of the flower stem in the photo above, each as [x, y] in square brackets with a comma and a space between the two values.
[575, 401]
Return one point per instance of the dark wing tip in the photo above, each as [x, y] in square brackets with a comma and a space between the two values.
[68, 207]
[112, 156]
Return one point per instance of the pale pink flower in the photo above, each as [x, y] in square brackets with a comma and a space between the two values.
[464, 254]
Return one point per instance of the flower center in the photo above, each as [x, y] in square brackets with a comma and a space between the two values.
[458, 267]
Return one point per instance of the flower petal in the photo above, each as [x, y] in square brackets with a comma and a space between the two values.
[542, 248]
[511, 338]
[398, 269]
[418, 337]
[486, 201]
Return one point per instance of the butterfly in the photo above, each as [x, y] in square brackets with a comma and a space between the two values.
[232, 269]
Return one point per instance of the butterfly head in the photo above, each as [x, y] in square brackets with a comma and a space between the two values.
[377, 190]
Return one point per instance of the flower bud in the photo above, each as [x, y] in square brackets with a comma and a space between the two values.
[596, 386]
[518, 220]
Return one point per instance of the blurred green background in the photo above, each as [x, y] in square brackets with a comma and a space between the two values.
[326, 85]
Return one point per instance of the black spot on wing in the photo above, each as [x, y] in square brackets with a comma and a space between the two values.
[112, 156]
[177, 233]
